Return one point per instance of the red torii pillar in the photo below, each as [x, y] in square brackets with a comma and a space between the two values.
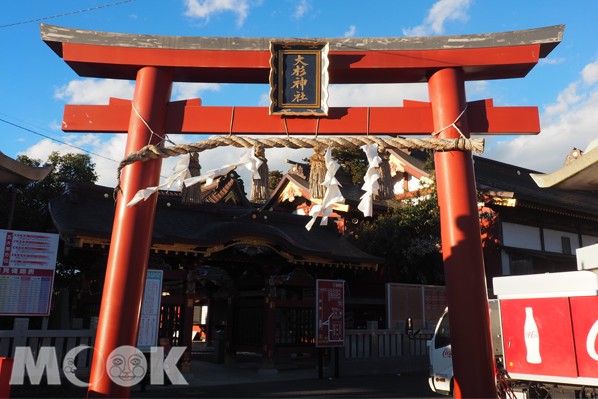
[461, 241]
[132, 232]
[444, 64]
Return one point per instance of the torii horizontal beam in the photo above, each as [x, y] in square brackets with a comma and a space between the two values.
[189, 116]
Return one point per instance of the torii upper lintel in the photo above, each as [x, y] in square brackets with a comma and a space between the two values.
[352, 60]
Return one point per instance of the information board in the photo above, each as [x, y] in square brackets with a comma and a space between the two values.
[27, 272]
[330, 313]
[150, 311]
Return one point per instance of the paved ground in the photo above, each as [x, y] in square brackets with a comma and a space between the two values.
[375, 386]
[246, 380]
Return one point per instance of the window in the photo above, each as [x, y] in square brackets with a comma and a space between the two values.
[566, 245]
[443, 334]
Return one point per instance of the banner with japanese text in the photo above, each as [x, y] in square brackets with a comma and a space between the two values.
[150, 311]
[27, 272]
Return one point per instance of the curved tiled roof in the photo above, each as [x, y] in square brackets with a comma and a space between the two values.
[498, 176]
[88, 211]
[15, 172]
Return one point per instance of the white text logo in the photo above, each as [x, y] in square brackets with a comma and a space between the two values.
[126, 366]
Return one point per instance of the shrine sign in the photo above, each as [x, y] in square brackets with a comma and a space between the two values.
[330, 313]
[299, 78]
[149, 319]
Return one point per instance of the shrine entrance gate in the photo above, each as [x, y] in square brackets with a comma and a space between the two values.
[445, 63]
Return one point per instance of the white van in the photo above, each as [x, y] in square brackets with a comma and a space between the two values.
[441, 355]
[441, 360]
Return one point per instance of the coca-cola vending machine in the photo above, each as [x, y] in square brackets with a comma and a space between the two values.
[538, 336]
[550, 334]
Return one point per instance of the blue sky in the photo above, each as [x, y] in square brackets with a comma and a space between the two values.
[36, 84]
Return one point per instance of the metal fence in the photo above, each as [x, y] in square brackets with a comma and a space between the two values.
[62, 341]
[376, 343]
[360, 344]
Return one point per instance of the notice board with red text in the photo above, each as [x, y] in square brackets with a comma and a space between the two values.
[27, 272]
[330, 313]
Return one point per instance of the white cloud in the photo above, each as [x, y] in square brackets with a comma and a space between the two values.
[477, 88]
[94, 91]
[204, 9]
[42, 149]
[373, 95]
[98, 91]
[351, 31]
[185, 91]
[565, 99]
[364, 95]
[105, 152]
[442, 11]
[590, 73]
[264, 100]
[570, 122]
[551, 61]
[376, 95]
[113, 148]
[302, 8]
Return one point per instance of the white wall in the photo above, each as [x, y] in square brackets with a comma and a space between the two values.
[553, 242]
[521, 236]
[588, 240]
[529, 237]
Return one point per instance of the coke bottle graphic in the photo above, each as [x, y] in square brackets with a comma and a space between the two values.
[532, 338]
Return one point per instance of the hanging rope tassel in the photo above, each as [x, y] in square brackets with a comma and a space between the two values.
[317, 173]
[260, 188]
[192, 195]
[385, 189]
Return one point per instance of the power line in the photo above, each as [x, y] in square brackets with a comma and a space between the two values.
[61, 142]
[118, 3]
[56, 140]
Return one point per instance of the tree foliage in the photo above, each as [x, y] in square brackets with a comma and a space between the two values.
[408, 237]
[409, 240]
[353, 161]
[274, 177]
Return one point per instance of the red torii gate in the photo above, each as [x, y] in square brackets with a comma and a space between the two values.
[445, 63]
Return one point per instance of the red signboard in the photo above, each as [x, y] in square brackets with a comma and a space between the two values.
[584, 314]
[330, 313]
[551, 336]
[538, 336]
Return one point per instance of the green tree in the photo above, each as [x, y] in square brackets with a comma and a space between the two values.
[275, 176]
[353, 161]
[409, 240]
[408, 237]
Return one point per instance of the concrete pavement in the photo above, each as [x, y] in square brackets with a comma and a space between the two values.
[295, 379]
